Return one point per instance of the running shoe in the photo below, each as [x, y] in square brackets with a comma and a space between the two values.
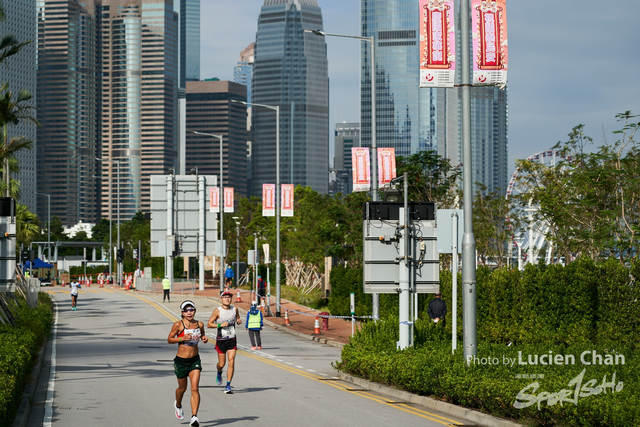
[254, 348]
[259, 347]
[219, 378]
[228, 390]
[179, 411]
[194, 421]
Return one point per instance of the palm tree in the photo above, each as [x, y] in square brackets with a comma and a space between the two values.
[27, 228]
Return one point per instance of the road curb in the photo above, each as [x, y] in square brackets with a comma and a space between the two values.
[437, 405]
[25, 404]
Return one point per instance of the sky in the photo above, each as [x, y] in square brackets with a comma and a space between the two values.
[570, 62]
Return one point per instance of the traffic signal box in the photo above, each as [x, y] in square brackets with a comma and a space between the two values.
[383, 237]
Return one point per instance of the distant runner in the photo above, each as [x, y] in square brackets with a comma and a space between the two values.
[225, 319]
[74, 285]
[186, 333]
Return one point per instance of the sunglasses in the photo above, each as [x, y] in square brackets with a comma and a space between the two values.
[189, 310]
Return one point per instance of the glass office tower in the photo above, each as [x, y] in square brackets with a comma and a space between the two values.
[413, 119]
[67, 110]
[290, 70]
[189, 47]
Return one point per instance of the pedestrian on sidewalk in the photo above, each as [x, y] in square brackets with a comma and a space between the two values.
[254, 325]
[437, 309]
[187, 365]
[166, 287]
[225, 318]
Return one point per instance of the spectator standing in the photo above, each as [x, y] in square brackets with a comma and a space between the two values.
[166, 287]
[262, 289]
[228, 276]
[437, 309]
[254, 325]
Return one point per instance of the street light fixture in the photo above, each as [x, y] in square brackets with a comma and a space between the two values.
[374, 143]
[276, 108]
[221, 204]
[48, 222]
[117, 162]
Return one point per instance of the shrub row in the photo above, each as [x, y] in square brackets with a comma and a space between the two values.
[491, 383]
[19, 348]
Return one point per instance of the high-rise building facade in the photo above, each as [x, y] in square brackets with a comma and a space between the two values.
[19, 72]
[210, 110]
[189, 36]
[290, 71]
[414, 119]
[347, 136]
[67, 110]
[243, 70]
[138, 98]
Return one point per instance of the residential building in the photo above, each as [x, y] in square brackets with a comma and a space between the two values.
[290, 71]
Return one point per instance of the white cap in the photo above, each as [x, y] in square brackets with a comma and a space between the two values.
[254, 303]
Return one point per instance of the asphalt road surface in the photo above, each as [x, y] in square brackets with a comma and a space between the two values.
[109, 365]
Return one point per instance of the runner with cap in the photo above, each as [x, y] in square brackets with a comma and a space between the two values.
[225, 319]
[186, 332]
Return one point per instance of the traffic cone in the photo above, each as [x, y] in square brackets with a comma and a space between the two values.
[316, 327]
[286, 318]
[238, 298]
[101, 283]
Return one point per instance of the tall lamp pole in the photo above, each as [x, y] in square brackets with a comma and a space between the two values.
[117, 162]
[195, 132]
[237, 220]
[48, 223]
[276, 108]
[374, 143]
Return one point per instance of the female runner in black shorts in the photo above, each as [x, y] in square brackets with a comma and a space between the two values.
[186, 333]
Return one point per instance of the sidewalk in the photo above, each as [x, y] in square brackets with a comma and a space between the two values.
[302, 319]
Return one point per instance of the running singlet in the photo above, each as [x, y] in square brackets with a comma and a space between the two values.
[74, 288]
[229, 316]
[195, 335]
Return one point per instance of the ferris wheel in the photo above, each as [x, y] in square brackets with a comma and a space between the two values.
[531, 239]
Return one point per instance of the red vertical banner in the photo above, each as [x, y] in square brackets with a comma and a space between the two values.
[437, 43]
[490, 47]
[228, 199]
[214, 199]
[386, 165]
[268, 200]
[360, 162]
[286, 200]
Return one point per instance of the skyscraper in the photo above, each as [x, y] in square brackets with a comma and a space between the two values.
[413, 119]
[67, 110]
[243, 71]
[347, 136]
[209, 110]
[20, 73]
[189, 46]
[138, 62]
[290, 71]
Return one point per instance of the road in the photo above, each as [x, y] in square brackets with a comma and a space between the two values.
[109, 364]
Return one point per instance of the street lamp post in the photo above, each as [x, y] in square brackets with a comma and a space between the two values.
[237, 220]
[48, 223]
[276, 108]
[221, 204]
[374, 144]
[117, 162]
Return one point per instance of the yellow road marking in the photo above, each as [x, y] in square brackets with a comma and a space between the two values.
[403, 407]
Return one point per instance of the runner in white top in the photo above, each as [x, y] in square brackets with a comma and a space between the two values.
[74, 294]
[225, 319]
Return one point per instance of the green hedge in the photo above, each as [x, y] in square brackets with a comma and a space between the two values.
[566, 310]
[19, 348]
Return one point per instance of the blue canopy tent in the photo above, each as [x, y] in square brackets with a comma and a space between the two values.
[38, 263]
